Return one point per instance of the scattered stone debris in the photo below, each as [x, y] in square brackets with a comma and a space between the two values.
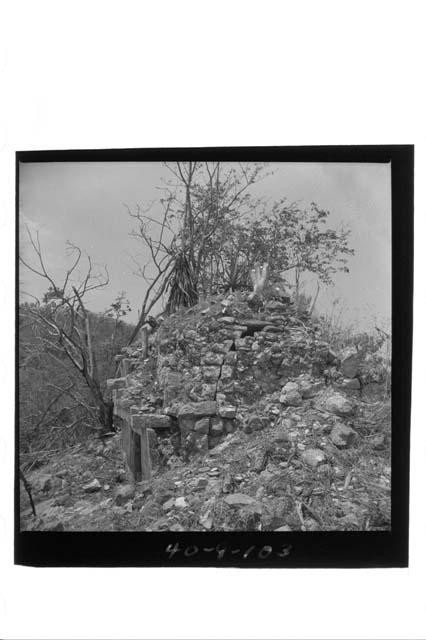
[339, 405]
[206, 520]
[313, 457]
[350, 363]
[92, 487]
[253, 423]
[239, 499]
[350, 383]
[124, 494]
[379, 442]
[343, 436]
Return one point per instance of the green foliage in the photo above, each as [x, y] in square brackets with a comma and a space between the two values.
[214, 229]
[232, 230]
[299, 239]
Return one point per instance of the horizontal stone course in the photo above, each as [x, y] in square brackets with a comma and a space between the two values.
[151, 421]
[198, 409]
[211, 373]
[116, 383]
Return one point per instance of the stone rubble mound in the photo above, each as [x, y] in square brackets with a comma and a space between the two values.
[210, 366]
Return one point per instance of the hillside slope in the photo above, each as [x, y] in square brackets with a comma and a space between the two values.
[296, 437]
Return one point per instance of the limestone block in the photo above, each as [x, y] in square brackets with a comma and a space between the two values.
[226, 373]
[310, 389]
[339, 405]
[216, 428]
[198, 409]
[271, 329]
[255, 423]
[227, 411]
[350, 363]
[231, 358]
[126, 366]
[313, 457]
[343, 436]
[291, 399]
[202, 426]
[151, 421]
[212, 359]
[222, 347]
[274, 305]
[211, 373]
[351, 383]
[229, 425]
[116, 383]
[208, 391]
[227, 320]
[122, 410]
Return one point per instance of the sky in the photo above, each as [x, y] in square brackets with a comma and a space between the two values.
[84, 202]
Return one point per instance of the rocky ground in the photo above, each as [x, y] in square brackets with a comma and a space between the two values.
[305, 469]
[299, 438]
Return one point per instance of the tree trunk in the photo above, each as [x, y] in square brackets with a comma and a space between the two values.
[106, 412]
[144, 340]
[28, 490]
[106, 407]
[297, 291]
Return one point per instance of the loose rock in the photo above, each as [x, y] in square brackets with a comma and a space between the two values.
[339, 405]
[310, 389]
[350, 363]
[313, 457]
[181, 503]
[92, 487]
[351, 384]
[202, 426]
[343, 436]
[124, 494]
[281, 437]
[378, 442]
[291, 399]
[255, 423]
[227, 411]
[239, 500]
[206, 520]
[169, 504]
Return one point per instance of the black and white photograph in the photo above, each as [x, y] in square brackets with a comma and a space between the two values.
[213, 310]
[205, 346]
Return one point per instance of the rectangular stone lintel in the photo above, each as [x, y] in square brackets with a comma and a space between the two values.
[198, 409]
[116, 383]
[150, 421]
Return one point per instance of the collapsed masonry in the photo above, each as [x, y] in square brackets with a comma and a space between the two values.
[207, 370]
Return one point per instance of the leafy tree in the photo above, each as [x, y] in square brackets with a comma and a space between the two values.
[297, 239]
[200, 205]
[212, 230]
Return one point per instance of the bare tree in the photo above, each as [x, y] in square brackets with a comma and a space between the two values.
[186, 235]
[161, 248]
[66, 321]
